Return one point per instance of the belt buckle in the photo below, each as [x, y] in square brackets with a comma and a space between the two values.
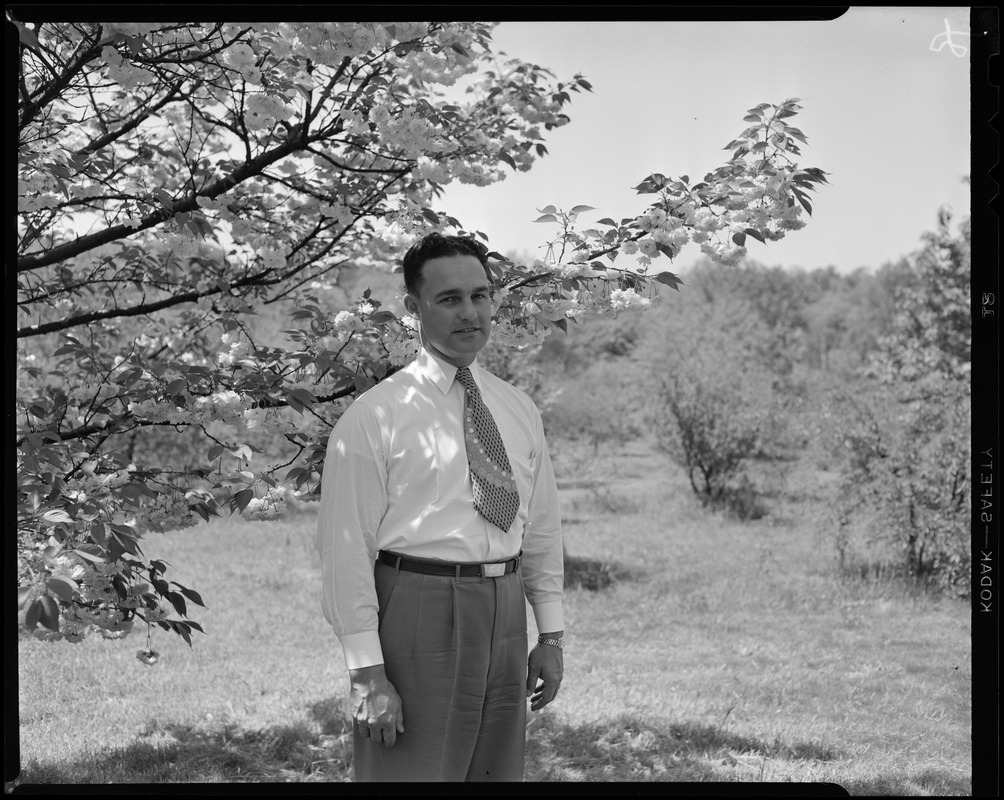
[492, 570]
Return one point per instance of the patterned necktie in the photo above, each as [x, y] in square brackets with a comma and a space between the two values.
[495, 495]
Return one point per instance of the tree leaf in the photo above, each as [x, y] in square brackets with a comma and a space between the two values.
[158, 566]
[580, 209]
[546, 218]
[242, 451]
[178, 602]
[240, 500]
[55, 515]
[64, 588]
[136, 489]
[33, 615]
[91, 552]
[23, 595]
[49, 614]
[669, 279]
[99, 534]
[305, 397]
[125, 540]
[803, 199]
[191, 594]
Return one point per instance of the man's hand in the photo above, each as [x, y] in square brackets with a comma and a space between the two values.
[375, 705]
[545, 662]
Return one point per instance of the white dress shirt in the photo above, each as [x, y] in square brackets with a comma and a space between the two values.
[396, 478]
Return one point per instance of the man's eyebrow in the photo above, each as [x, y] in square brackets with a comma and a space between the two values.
[448, 292]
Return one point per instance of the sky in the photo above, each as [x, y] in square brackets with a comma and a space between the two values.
[886, 114]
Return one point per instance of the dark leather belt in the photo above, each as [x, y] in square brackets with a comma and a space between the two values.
[492, 570]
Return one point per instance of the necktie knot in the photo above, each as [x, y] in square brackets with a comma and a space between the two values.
[466, 379]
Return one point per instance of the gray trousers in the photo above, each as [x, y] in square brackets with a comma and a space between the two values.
[455, 650]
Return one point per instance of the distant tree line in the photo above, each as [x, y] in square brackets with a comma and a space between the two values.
[865, 374]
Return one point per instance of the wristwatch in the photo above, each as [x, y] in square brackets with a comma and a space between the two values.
[559, 643]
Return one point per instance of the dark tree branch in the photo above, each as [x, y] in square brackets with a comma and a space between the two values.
[248, 169]
[30, 109]
[113, 426]
[136, 311]
[132, 124]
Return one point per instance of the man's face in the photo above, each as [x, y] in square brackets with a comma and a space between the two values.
[454, 306]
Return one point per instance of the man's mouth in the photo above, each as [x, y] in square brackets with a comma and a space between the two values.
[468, 330]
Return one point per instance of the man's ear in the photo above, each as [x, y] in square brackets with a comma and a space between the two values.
[411, 305]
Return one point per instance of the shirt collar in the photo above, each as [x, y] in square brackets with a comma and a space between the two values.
[442, 373]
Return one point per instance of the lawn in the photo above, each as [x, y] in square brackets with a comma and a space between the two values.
[699, 648]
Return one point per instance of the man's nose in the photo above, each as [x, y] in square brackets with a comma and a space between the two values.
[467, 310]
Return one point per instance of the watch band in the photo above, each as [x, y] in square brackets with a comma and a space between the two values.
[559, 643]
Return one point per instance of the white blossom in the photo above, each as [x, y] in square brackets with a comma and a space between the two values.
[623, 299]
[647, 247]
[402, 351]
[348, 322]
[573, 270]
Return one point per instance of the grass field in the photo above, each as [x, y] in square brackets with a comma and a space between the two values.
[721, 651]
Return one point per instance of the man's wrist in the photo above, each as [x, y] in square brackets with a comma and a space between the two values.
[554, 639]
[367, 675]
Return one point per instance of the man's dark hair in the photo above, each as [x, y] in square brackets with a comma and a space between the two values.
[435, 245]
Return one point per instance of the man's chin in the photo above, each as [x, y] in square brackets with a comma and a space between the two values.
[471, 340]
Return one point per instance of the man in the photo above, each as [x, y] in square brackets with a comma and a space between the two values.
[439, 514]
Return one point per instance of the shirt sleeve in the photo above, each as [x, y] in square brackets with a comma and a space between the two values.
[543, 557]
[353, 501]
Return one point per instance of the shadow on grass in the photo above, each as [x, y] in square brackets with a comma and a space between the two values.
[591, 574]
[629, 749]
[318, 749]
[315, 749]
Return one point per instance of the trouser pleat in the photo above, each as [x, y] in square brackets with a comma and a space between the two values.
[455, 650]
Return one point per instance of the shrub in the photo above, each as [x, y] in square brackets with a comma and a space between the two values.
[905, 431]
[599, 407]
[713, 404]
[906, 487]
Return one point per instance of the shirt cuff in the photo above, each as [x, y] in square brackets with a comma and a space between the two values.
[549, 616]
[361, 649]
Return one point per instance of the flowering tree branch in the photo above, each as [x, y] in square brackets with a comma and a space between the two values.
[213, 170]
